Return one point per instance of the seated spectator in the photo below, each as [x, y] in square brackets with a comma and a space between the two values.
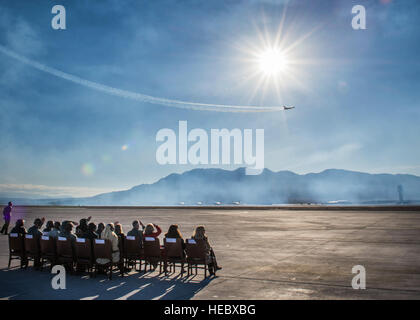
[136, 232]
[82, 228]
[34, 230]
[119, 229]
[109, 234]
[55, 230]
[91, 232]
[63, 224]
[149, 231]
[173, 232]
[101, 228]
[19, 227]
[49, 226]
[200, 234]
[66, 232]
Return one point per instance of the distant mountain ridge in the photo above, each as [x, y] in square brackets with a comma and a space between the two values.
[211, 186]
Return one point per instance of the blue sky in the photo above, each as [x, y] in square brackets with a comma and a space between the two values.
[357, 93]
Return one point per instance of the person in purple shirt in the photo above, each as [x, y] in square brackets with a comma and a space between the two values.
[6, 215]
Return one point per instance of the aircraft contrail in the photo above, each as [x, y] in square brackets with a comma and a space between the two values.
[134, 95]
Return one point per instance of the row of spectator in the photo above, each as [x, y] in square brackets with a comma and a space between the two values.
[89, 230]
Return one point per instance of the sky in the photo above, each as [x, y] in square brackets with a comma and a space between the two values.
[356, 92]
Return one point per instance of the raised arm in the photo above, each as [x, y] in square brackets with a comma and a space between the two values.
[158, 230]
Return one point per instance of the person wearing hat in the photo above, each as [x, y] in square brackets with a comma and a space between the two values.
[19, 227]
[7, 211]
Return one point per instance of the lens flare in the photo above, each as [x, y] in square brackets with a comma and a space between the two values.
[88, 169]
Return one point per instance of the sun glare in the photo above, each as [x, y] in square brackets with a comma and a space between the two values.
[272, 61]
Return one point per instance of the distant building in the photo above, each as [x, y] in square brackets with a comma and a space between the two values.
[400, 193]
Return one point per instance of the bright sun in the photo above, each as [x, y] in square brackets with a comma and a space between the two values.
[272, 62]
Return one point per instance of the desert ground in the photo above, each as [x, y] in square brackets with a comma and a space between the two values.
[265, 254]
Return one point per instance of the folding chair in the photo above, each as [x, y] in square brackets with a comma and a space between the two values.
[48, 250]
[152, 253]
[84, 254]
[65, 253]
[102, 249]
[133, 252]
[16, 249]
[196, 256]
[32, 249]
[174, 254]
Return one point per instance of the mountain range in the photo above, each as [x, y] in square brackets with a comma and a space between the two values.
[218, 186]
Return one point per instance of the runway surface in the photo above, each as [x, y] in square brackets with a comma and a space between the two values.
[265, 254]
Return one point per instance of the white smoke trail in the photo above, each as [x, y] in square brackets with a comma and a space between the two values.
[133, 95]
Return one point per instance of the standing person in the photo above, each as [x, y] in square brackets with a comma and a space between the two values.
[7, 211]
[200, 234]
[149, 231]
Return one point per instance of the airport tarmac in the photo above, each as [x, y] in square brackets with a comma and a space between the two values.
[265, 254]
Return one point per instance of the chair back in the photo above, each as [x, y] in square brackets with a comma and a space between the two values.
[32, 244]
[132, 246]
[64, 247]
[151, 247]
[195, 249]
[83, 248]
[102, 248]
[173, 247]
[16, 243]
[48, 246]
